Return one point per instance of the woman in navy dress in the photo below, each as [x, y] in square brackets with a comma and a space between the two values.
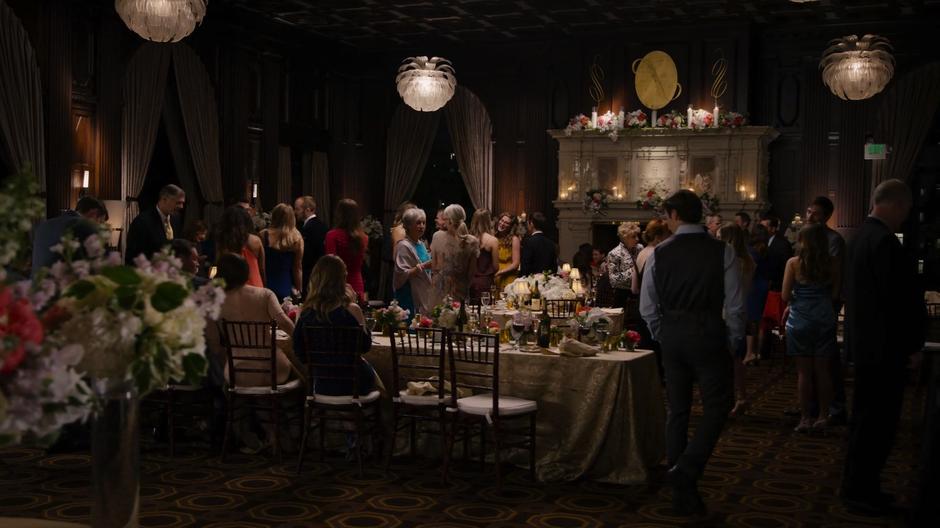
[810, 283]
[283, 252]
[760, 285]
[332, 303]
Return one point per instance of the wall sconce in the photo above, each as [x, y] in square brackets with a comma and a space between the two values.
[81, 178]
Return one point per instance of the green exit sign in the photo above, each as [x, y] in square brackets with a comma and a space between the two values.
[875, 151]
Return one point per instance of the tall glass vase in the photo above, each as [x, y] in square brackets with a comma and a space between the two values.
[115, 454]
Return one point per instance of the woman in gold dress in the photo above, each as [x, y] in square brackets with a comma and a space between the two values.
[509, 251]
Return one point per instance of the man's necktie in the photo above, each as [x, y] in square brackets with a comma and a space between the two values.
[167, 227]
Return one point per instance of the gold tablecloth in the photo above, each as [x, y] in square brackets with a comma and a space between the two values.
[599, 418]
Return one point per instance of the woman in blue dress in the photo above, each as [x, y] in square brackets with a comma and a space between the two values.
[810, 283]
[411, 281]
[283, 253]
[757, 295]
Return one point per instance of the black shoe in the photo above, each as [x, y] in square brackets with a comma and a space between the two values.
[685, 498]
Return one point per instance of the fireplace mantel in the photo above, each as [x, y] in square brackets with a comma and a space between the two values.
[729, 163]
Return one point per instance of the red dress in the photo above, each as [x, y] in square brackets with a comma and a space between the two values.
[254, 272]
[337, 243]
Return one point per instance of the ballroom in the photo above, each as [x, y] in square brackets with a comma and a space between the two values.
[467, 263]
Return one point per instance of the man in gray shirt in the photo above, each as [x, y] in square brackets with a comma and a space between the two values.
[693, 301]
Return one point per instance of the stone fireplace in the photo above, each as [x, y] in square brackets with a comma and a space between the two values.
[730, 164]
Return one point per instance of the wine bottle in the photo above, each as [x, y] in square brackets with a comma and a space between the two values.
[536, 297]
[545, 328]
[462, 316]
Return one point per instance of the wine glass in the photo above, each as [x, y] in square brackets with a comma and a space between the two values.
[485, 299]
[370, 324]
[602, 332]
[517, 329]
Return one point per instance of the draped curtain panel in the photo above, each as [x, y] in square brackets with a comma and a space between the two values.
[172, 117]
[144, 90]
[471, 132]
[201, 119]
[906, 114]
[410, 139]
[317, 183]
[21, 121]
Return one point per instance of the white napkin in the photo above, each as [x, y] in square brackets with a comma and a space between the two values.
[573, 348]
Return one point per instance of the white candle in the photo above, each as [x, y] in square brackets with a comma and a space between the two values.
[254, 190]
[715, 117]
[621, 116]
[594, 117]
[654, 119]
[85, 179]
[690, 116]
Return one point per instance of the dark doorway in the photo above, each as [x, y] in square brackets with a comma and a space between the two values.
[441, 184]
[162, 170]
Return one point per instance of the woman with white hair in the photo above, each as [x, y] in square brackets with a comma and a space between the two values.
[621, 262]
[454, 254]
[411, 281]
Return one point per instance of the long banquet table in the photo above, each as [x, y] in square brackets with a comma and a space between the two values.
[601, 418]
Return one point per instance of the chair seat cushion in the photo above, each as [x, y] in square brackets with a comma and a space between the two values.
[343, 400]
[418, 399]
[482, 404]
[284, 387]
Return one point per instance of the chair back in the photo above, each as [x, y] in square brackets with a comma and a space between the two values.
[417, 356]
[474, 364]
[333, 354]
[561, 308]
[250, 348]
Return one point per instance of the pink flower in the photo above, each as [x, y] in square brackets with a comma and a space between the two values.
[425, 322]
[633, 336]
[18, 326]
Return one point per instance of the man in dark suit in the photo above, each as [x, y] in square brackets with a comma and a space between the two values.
[779, 251]
[692, 298]
[84, 220]
[314, 232]
[538, 251]
[885, 320]
[155, 228]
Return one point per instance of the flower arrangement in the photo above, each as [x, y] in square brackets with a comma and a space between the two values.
[578, 123]
[493, 328]
[652, 198]
[596, 201]
[672, 119]
[731, 120]
[372, 228]
[710, 203]
[260, 220]
[444, 315]
[550, 286]
[636, 119]
[393, 317]
[631, 338]
[144, 324]
[19, 206]
[290, 309]
[701, 118]
[422, 321]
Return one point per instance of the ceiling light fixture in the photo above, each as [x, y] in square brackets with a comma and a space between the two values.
[426, 84]
[857, 68]
[161, 20]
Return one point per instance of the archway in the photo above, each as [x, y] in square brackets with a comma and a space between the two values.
[148, 102]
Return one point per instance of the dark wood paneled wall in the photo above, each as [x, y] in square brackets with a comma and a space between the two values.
[275, 88]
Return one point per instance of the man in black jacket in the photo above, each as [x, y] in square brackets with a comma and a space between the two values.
[314, 233]
[885, 321]
[155, 228]
[779, 251]
[538, 251]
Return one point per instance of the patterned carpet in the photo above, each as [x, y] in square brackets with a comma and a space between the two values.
[762, 475]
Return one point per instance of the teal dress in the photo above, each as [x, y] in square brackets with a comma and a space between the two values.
[811, 325]
[404, 295]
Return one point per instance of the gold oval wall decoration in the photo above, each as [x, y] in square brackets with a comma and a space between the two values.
[656, 80]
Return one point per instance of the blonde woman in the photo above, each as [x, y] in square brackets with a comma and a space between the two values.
[331, 302]
[283, 252]
[509, 251]
[454, 254]
[481, 226]
[621, 262]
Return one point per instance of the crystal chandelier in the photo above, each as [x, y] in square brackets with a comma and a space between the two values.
[426, 84]
[161, 20]
[857, 68]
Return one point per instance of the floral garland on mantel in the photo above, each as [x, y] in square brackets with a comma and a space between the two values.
[612, 125]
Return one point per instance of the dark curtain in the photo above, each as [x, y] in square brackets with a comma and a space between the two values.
[144, 90]
[905, 115]
[21, 122]
[201, 120]
[472, 134]
[410, 139]
[183, 163]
